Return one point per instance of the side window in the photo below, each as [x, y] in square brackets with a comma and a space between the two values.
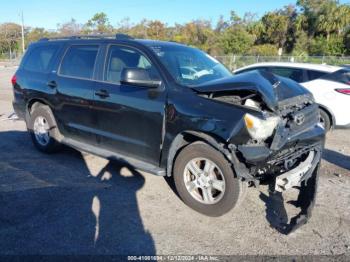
[79, 61]
[312, 74]
[292, 73]
[252, 69]
[39, 58]
[119, 58]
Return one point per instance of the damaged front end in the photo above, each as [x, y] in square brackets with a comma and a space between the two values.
[279, 143]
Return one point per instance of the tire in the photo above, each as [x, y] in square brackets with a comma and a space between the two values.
[220, 202]
[325, 120]
[42, 124]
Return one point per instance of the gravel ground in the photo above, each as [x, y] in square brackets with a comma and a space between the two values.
[77, 203]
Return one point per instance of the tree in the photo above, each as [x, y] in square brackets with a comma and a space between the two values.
[156, 30]
[325, 21]
[275, 28]
[236, 41]
[301, 43]
[221, 25]
[10, 34]
[333, 46]
[197, 33]
[98, 24]
[312, 9]
[35, 34]
[263, 50]
[69, 28]
[346, 42]
[124, 26]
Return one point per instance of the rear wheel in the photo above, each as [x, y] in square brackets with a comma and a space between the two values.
[42, 127]
[205, 181]
[325, 120]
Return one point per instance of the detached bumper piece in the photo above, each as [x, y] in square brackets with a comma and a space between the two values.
[305, 178]
[295, 176]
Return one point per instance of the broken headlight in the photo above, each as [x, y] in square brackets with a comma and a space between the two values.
[259, 128]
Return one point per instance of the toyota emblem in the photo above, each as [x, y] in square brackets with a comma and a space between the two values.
[299, 119]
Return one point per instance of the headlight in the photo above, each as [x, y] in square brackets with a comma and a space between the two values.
[258, 128]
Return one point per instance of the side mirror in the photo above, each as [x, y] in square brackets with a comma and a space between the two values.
[138, 77]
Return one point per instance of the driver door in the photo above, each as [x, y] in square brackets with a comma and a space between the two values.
[130, 118]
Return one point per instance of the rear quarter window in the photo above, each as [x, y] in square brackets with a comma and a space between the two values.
[340, 76]
[79, 61]
[39, 58]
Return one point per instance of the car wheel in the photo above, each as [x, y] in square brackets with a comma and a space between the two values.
[205, 180]
[42, 127]
[325, 120]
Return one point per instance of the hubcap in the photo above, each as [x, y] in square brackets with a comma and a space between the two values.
[41, 130]
[204, 180]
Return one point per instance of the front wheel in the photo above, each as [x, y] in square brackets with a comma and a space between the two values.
[205, 181]
[325, 120]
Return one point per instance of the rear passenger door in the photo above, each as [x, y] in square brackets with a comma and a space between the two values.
[130, 118]
[75, 84]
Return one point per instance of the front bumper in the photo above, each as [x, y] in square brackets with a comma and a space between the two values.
[282, 146]
[304, 176]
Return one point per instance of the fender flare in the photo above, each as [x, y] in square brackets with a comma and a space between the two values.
[186, 137]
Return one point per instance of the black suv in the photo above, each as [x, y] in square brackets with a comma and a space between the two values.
[172, 110]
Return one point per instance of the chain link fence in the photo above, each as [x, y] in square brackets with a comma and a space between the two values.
[234, 62]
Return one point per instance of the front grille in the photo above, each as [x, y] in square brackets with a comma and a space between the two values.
[291, 152]
[303, 119]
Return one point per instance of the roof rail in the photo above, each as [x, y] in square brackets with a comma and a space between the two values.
[101, 36]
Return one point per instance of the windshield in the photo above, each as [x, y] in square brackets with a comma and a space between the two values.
[190, 66]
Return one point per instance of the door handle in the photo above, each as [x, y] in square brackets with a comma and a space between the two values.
[102, 93]
[52, 84]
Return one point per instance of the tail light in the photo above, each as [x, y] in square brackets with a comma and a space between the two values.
[345, 91]
[14, 80]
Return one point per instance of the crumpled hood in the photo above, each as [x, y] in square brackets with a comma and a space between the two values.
[273, 89]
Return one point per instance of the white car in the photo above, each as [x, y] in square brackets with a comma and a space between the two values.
[330, 85]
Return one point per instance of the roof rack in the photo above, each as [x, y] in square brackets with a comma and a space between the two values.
[101, 36]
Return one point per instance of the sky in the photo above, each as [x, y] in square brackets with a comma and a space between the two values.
[49, 13]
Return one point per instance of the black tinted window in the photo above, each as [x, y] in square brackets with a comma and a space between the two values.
[39, 58]
[79, 61]
[292, 73]
[252, 69]
[312, 75]
[122, 57]
[340, 76]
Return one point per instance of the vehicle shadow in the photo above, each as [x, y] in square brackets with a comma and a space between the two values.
[53, 204]
[336, 158]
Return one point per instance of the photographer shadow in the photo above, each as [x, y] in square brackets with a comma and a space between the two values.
[53, 204]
